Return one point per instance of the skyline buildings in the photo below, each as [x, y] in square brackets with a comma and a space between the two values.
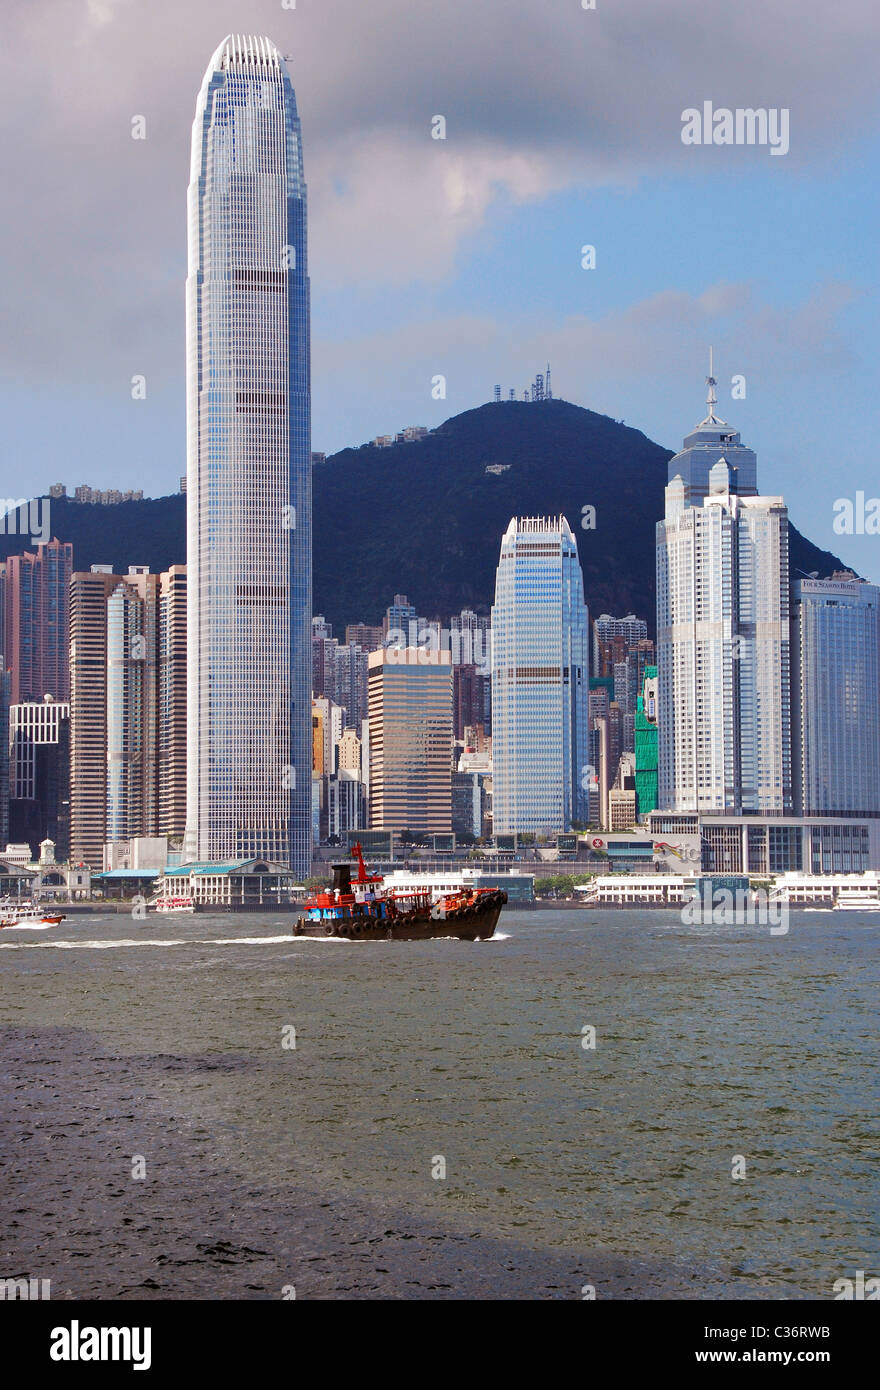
[127, 709]
[410, 739]
[835, 677]
[39, 774]
[89, 592]
[35, 621]
[723, 651]
[711, 440]
[540, 679]
[248, 467]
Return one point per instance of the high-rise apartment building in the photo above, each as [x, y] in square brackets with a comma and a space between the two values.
[36, 642]
[540, 679]
[248, 467]
[630, 629]
[365, 635]
[835, 704]
[171, 656]
[89, 593]
[132, 707]
[410, 740]
[128, 716]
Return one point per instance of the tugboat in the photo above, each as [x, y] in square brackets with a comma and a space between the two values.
[362, 910]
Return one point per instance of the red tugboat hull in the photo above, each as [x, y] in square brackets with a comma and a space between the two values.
[363, 910]
[476, 923]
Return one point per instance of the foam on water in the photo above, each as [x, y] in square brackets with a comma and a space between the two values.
[145, 941]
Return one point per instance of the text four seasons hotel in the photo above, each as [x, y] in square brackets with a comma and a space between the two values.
[248, 467]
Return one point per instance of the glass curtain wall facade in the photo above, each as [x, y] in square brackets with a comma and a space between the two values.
[723, 650]
[835, 705]
[248, 467]
[540, 680]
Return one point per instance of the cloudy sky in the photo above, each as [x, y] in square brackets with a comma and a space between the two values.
[462, 256]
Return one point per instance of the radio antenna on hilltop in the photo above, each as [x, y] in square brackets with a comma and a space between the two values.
[548, 389]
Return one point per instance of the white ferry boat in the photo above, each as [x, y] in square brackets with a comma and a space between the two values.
[27, 914]
[172, 904]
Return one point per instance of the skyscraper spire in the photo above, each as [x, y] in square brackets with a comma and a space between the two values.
[711, 398]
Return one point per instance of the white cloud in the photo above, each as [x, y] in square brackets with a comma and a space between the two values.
[538, 97]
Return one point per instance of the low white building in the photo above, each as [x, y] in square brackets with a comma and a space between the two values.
[852, 891]
[618, 889]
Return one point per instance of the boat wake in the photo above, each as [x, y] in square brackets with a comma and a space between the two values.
[143, 941]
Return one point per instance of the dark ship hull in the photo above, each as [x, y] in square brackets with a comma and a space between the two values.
[476, 922]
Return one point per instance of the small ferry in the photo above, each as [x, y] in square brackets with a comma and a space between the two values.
[27, 914]
[364, 910]
[176, 903]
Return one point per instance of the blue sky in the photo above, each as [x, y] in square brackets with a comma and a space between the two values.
[462, 257]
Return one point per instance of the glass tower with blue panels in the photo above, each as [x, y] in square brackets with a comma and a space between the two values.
[540, 680]
[248, 467]
[835, 710]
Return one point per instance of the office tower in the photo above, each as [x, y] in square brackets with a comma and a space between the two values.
[540, 679]
[711, 440]
[346, 805]
[467, 804]
[36, 617]
[398, 616]
[39, 775]
[326, 734]
[172, 702]
[835, 711]
[410, 740]
[646, 744]
[248, 467]
[472, 700]
[89, 593]
[723, 650]
[348, 753]
[622, 800]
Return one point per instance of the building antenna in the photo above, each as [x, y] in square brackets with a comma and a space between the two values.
[711, 398]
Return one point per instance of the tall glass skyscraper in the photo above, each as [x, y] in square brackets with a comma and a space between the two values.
[248, 467]
[724, 741]
[540, 680]
[836, 697]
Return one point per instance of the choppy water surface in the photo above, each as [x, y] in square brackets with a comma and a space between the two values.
[312, 1165]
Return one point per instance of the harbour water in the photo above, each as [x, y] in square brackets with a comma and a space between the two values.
[429, 1119]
